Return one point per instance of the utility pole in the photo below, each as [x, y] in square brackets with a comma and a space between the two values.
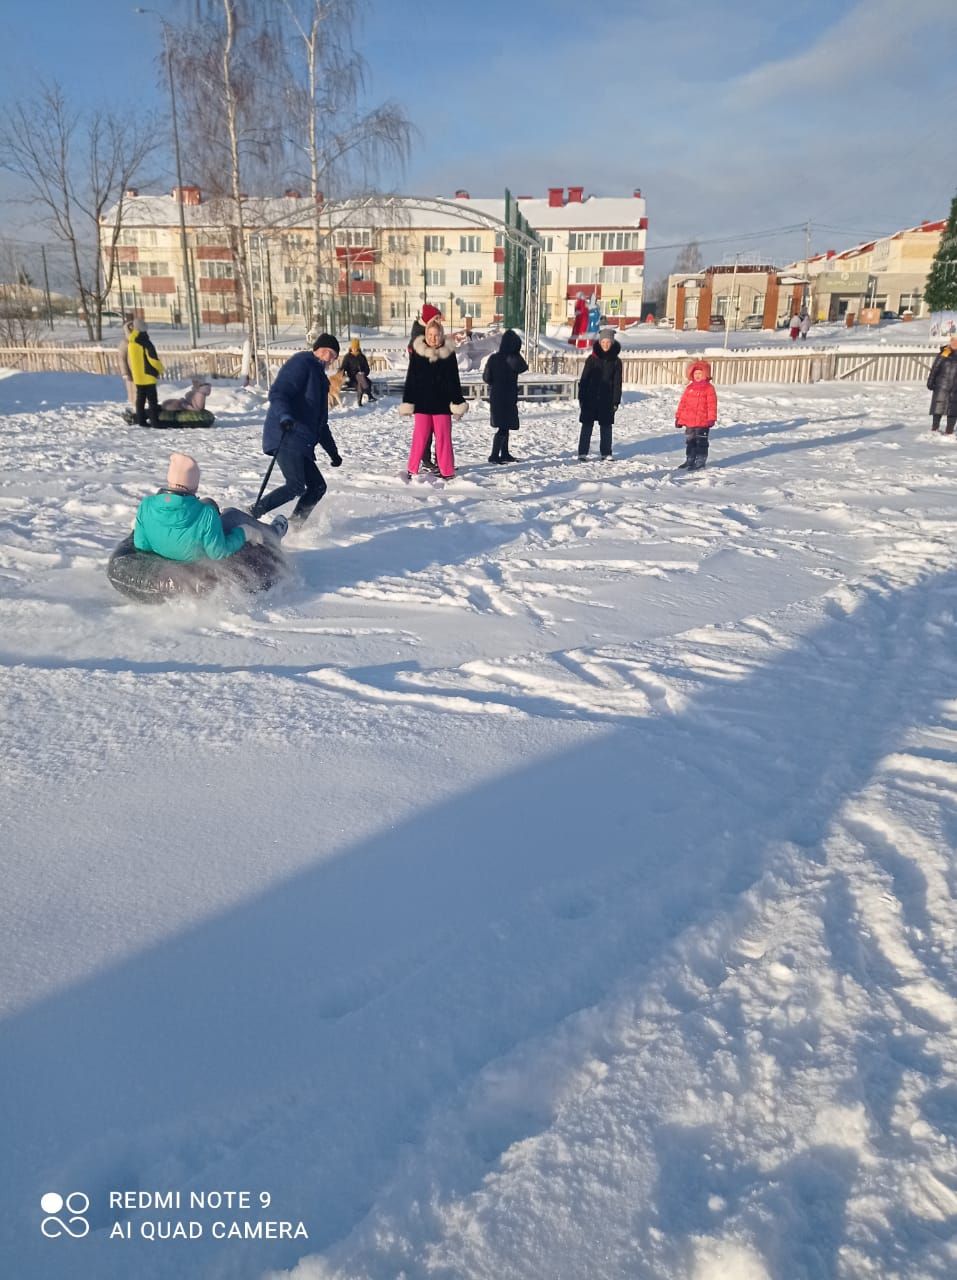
[190, 296]
[727, 312]
[46, 286]
[807, 265]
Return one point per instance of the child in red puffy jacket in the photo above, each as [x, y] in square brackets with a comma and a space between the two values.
[696, 412]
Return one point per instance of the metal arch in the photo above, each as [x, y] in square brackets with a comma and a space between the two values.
[436, 204]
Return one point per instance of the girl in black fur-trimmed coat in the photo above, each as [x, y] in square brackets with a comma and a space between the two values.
[433, 393]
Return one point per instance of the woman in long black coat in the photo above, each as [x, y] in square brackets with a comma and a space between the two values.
[501, 374]
[599, 393]
[942, 384]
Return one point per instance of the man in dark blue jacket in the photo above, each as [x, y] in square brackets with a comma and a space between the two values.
[297, 421]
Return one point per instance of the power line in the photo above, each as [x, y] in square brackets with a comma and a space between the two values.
[742, 235]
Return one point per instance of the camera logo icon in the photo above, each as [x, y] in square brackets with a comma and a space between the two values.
[65, 1216]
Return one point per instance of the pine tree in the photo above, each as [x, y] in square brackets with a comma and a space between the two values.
[940, 292]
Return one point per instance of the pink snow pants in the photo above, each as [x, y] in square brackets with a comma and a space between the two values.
[426, 424]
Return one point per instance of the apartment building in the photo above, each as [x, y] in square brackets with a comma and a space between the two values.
[888, 274]
[379, 259]
[748, 296]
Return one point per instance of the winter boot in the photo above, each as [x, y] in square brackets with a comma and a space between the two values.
[499, 440]
[280, 526]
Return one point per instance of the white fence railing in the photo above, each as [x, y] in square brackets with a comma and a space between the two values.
[645, 369]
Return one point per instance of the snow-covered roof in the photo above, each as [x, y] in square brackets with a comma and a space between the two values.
[599, 212]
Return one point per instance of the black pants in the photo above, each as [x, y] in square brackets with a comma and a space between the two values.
[951, 423]
[147, 396]
[696, 446]
[303, 481]
[584, 438]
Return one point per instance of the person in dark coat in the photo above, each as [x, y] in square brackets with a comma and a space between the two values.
[599, 393]
[433, 393]
[942, 383]
[356, 368]
[501, 374]
[298, 421]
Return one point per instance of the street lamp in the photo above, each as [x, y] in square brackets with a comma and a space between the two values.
[187, 278]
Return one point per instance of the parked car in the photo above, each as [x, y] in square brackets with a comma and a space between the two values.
[889, 315]
[752, 322]
[716, 322]
[665, 323]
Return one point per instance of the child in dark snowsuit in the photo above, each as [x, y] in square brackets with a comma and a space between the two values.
[696, 413]
[599, 394]
[501, 374]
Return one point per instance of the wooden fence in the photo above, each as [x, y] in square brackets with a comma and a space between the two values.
[729, 368]
[652, 369]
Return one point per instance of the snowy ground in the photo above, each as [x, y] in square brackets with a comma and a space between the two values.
[556, 879]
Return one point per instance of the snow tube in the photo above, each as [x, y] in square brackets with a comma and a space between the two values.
[151, 579]
[176, 418]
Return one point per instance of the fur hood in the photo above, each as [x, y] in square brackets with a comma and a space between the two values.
[422, 348]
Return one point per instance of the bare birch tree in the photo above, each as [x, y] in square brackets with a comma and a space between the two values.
[76, 166]
[229, 72]
[342, 141]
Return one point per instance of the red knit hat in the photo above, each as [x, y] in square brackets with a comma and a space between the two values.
[430, 313]
[698, 364]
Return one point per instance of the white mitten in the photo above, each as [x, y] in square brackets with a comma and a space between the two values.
[459, 410]
[406, 409]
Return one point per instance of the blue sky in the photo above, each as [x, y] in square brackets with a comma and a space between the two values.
[734, 118]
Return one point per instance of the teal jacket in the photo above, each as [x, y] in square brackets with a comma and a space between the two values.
[178, 526]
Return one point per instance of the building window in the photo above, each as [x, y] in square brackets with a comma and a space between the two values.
[470, 244]
[548, 244]
[613, 275]
[910, 301]
[398, 244]
[435, 277]
[471, 277]
[586, 275]
[757, 304]
[606, 241]
[145, 268]
[549, 278]
[397, 311]
[216, 269]
[400, 277]
[434, 244]
[293, 307]
[354, 239]
[500, 271]
[471, 309]
[290, 275]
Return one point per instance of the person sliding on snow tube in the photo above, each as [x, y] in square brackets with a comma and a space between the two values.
[177, 525]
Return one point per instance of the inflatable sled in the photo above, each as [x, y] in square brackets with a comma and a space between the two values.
[151, 579]
[183, 411]
[176, 418]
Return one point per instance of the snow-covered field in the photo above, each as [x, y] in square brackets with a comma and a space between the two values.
[555, 880]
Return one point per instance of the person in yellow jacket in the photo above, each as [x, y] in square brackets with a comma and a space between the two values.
[145, 367]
